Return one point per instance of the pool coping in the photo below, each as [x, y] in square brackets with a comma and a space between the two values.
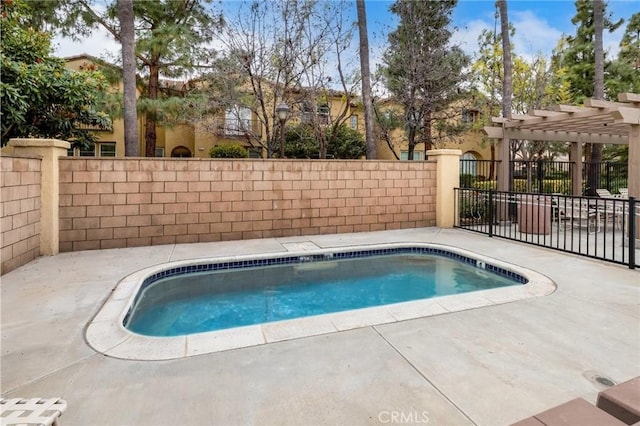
[106, 333]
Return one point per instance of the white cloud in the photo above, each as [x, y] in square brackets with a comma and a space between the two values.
[467, 37]
[533, 35]
[100, 44]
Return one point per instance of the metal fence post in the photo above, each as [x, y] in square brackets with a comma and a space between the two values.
[632, 233]
[491, 213]
[540, 176]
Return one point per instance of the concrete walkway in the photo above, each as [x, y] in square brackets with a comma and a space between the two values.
[487, 366]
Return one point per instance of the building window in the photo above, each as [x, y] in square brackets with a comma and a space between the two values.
[237, 121]
[107, 149]
[468, 165]
[306, 112]
[323, 113]
[353, 122]
[469, 116]
[159, 152]
[255, 152]
[417, 155]
[88, 152]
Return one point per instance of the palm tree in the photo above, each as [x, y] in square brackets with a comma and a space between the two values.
[127, 40]
[507, 84]
[598, 81]
[366, 80]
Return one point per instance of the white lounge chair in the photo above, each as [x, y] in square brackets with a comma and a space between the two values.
[33, 411]
[604, 193]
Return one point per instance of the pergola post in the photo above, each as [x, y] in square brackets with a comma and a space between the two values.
[504, 157]
[634, 161]
[576, 169]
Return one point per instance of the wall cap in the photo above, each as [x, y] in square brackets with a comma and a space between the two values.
[444, 152]
[39, 143]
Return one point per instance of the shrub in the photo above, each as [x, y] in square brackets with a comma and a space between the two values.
[467, 180]
[231, 150]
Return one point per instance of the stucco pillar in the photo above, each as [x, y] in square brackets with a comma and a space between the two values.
[50, 150]
[447, 178]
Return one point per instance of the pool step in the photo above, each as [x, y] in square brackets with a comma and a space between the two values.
[577, 412]
[622, 401]
[617, 406]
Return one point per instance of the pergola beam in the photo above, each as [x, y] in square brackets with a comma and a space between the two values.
[597, 122]
[552, 136]
[629, 97]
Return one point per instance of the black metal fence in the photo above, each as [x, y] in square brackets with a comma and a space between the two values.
[544, 177]
[481, 174]
[610, 176]
[601, 228]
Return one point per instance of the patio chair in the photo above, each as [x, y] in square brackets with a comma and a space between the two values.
[604, 193]
[577, 212]
[624, 192]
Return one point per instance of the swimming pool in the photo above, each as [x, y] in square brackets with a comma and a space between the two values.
[226, 296]
[107, 333]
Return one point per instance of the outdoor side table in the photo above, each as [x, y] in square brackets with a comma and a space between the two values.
[33, 411]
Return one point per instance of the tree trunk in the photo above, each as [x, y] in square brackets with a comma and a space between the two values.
[428, 142]
[150, 122]
[366, 80]
[128, 42]
[598, 92]
[507, 84]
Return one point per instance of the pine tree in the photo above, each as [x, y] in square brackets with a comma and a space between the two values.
[422, 69]
[171, 42]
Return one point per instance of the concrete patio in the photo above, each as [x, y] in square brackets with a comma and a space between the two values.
[487, 366]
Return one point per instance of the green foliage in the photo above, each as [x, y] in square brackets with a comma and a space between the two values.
[231, 150]
[302, 142]
[549, 186]
[39, 96]
[626, 68]
[348, 144]
[578, 56]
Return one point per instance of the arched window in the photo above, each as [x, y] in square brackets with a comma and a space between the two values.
[181, 152]
[468, 165]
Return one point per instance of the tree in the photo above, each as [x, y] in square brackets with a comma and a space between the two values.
[171, 43]
[626, 67]
[507, 85]
[584, 59]
[422, 70]
[579, 54]
[127, 37]
[39, 96]
[533, 87]
[365, 73]
[287, 51]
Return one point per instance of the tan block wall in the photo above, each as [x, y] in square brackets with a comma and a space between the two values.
[20, 204]
[121, 202]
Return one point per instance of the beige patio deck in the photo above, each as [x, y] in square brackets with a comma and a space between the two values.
[487, 366]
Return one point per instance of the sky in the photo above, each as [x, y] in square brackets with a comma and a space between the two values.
[538, 24]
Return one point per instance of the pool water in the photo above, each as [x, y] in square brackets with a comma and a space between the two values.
[209, 301]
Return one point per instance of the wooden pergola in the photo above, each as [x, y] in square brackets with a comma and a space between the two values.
[597, 122]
